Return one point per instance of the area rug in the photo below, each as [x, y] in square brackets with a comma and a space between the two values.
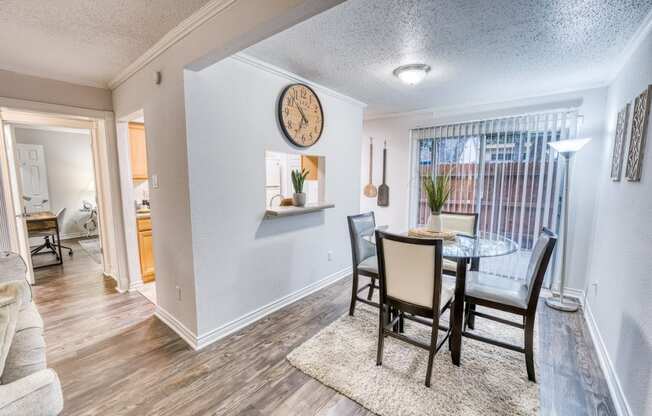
[92, 247]
[490, 381]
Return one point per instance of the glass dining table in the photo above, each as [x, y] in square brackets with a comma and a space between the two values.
[464, 250]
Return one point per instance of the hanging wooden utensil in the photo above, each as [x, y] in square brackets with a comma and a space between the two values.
[383, 189]
[369, 189]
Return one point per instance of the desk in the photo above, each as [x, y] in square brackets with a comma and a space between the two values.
[45, 224]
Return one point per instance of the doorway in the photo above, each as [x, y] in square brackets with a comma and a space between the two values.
[56, 175]
[52, 201]
[137, 184]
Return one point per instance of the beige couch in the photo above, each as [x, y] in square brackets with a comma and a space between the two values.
[27, 386]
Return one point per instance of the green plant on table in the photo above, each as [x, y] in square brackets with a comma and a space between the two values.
[438, 190]
[298, 178]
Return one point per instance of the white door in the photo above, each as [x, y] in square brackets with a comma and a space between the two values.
[13, 197]
[33, 176]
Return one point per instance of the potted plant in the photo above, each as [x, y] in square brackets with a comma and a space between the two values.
[298, 178]
[437, 191]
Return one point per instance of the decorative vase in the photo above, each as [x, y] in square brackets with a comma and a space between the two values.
[435, 222]
[299, 199]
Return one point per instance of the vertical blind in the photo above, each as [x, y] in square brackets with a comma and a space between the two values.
[502, 169]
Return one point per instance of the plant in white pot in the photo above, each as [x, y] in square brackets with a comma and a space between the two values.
[298, 178]
[437, 191]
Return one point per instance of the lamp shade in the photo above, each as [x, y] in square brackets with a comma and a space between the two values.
[568, 146]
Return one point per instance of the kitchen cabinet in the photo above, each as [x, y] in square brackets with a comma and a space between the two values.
[138, 151]
[146, 248]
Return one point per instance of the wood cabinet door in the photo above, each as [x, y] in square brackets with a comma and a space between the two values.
[145, 244]
[138, 151]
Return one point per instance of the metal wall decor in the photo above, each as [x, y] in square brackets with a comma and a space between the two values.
[619, 143]
[637, 136]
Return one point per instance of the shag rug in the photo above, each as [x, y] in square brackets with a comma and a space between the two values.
[92, 247]
[490, 380]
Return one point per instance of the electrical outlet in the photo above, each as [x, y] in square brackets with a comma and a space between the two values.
[178, 293]
[595, 289]
[330, 256]
[154, 179]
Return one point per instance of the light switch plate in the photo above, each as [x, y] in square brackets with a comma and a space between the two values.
[154, 181]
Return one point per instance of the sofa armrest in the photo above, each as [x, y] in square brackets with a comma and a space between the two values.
[38, 394]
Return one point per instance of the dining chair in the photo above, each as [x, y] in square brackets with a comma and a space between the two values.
[460, 223]
[363, 252]
[410, 273]
[518, 297]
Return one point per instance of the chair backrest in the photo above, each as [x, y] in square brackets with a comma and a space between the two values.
[361, 225]
[460, 222]
[60, 215]
[410, 270]
[538, 265]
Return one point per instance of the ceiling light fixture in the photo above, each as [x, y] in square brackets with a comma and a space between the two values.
[412, 74]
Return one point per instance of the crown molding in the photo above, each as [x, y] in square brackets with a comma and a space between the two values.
[554, 98]
[208, 11]
[257, 63]
[634, 43]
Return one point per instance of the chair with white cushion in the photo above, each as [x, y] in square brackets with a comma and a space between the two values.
[459, 223]
[363, 252]
[519, 297]
[410, 273]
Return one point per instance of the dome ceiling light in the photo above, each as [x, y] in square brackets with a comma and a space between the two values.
[412, 74]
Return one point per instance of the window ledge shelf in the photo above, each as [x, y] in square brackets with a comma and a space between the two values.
[278, 212]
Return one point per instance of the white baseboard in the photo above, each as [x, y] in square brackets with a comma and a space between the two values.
[211, 336]
[70, 236]
[181, 330]
[577, 294]
[134, 286]
[616, 390]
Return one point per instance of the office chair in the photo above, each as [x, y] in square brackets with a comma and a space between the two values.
[53, 246]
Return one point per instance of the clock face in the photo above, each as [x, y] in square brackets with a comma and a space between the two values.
[300, 115]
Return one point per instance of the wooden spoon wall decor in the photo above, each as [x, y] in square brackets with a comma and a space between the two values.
[383, 189]
[369, 189]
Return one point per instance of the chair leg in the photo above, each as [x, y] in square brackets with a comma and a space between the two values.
[371, 288]
[401, 322]
[394, 314]
[451, 308]
[381, 335]
[529, 348]
[354, 292]
[471, 318]
[433, 349]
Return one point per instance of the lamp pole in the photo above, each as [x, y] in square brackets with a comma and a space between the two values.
[566, 148]
[560, 303]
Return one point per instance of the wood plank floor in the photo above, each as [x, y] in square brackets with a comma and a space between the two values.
[115, 358]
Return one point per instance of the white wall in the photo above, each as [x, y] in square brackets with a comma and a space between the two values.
[69, 164]
[27, 87]
[620, 277]
[234, 28]
[242, 261]
[590, 104]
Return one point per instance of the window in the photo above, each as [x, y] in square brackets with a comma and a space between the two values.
[503, 169]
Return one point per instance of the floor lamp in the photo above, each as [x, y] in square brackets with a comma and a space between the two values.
[567, 149]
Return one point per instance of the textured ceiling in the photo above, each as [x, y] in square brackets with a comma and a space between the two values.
[83, 41]
[480, 51]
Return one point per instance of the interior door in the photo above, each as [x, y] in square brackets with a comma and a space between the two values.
[13, 198]
[33, 177]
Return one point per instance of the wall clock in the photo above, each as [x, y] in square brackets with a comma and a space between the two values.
[300, 115]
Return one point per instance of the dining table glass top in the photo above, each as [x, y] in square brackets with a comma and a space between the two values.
[468, 247]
